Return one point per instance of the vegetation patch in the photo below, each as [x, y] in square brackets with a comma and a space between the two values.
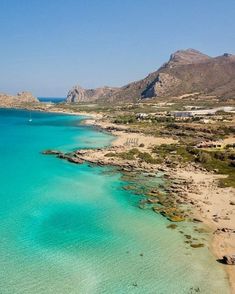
[134, 154]
[125, 119]
[219, 161]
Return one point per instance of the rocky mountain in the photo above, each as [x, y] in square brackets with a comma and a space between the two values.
[20, 98]
[187, 72]
[79, 94]
[190, 71]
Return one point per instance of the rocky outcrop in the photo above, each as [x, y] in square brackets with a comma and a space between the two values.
[229, 259]
[188, 56]
[52, 152]
[26, 97]
[71, 156]
[79, 94]
[161, 86]
[19, 99]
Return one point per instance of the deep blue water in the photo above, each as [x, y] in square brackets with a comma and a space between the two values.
[69, 228]
[51, 99]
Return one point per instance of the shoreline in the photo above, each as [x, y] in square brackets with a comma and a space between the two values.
[218, 214]
[215, 212]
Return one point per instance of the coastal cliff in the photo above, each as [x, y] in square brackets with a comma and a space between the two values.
[17, 100]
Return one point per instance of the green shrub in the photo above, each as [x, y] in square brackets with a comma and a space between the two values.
[146, 157]
[110, 154]
[203, 157]
[125, 119]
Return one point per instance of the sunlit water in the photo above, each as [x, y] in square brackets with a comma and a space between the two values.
[67, 228]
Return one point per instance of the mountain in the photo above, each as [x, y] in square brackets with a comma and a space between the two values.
[190, 71]
[79, 94]
[20, 98]
[187, 72]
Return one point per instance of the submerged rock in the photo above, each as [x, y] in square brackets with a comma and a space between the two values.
[172, 226]
[171, 213]
[75, 160]
[51, 152]
[71, 158]
[199, 245]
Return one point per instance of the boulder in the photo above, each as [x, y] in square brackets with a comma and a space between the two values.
[229, 259]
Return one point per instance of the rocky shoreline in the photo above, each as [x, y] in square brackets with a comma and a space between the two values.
[189, 185]
[194, 192]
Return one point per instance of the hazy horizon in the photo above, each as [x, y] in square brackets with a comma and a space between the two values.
[50, 46]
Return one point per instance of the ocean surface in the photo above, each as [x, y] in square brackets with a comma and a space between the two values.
[67, 228]
[51, 99]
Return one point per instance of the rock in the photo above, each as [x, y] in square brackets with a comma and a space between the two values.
[176, 218]
[51, 152]
[198, 245]
[70, 157]
[229, 259]
[172, 226]
[14, 101]
[152, 200]
[232, 203]
[26, 97]
[75, 160]
[224, 230]
[151, 175]
[197, 220]
[161, 85]
[135, 285]
[79, 94]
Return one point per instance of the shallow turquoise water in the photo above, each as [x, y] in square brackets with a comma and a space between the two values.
[68, 228]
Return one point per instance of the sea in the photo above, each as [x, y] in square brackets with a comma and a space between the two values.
[71, 229]
[51, 99]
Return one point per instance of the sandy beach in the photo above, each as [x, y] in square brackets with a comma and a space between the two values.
[122, 135]
[216, 208]
[212, 205]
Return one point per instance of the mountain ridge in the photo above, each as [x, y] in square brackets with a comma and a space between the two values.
[186, 71]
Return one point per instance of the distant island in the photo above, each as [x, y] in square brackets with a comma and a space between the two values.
[19, 99]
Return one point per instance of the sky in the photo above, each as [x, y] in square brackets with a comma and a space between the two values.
[48, 46]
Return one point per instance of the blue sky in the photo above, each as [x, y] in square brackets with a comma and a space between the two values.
[47, 46]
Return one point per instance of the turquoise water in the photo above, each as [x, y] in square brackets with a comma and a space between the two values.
[68, 228]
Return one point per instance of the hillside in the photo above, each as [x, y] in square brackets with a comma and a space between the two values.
[11, 101]
[79, 94]
[187, 71]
